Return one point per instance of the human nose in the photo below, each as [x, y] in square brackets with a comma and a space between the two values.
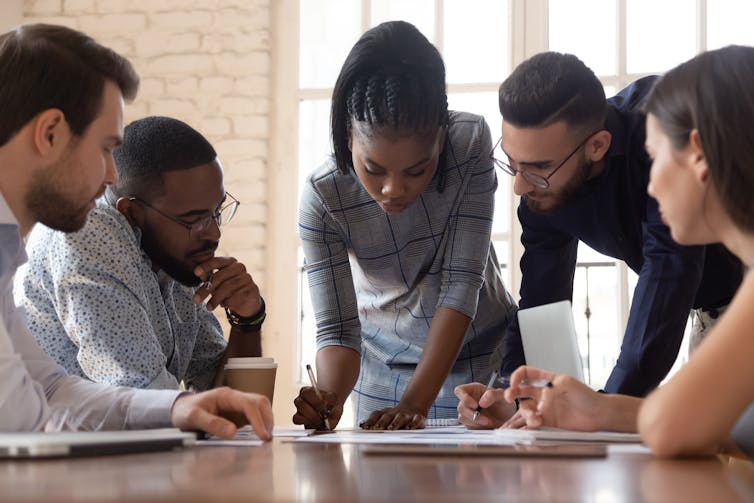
[210, 231]
[111, 174]
[393, 188]
[521, 185]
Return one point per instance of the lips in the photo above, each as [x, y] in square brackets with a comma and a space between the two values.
[392, 207]
[204, 255]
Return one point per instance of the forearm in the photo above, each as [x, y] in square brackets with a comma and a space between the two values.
[337, 370]
[619, 413]
[440, 352]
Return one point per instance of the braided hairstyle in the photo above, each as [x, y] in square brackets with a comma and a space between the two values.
[392, 80]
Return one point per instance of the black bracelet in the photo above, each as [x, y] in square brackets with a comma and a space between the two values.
[250, 323]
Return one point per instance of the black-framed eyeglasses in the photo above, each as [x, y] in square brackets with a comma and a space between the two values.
[221, 217]
[543, 182]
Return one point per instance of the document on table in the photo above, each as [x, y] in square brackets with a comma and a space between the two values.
[452, 435]
[556, 434]
[246, 437]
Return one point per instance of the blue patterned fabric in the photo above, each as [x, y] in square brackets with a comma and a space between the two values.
[376, 279]
[96, 306]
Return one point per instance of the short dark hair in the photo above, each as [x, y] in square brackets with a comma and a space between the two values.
[393, 78]
[551, 87]
[46, 66]
[152, 146]
[713, 94]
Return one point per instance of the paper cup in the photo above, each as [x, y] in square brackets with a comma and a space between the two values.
[252, 375]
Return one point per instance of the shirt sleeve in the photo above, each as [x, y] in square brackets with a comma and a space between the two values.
[34, 387]
[208, 351]
[547, 270]
[99, 298]
[328, 272]
[668, 281]
[470, 226]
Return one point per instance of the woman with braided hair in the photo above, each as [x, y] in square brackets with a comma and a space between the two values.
[395, 227]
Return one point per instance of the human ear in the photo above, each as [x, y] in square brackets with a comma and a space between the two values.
[598, 144]
[696, 158]
[133, 211]
[51, 133]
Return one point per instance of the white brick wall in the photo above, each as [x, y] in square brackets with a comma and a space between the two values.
[206, 62]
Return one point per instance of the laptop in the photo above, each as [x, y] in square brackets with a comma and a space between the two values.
[91, 443]
[549, 338]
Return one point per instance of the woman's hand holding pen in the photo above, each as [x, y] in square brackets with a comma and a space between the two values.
[564, 403]
[312, 412]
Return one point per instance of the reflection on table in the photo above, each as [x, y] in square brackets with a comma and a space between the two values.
[284, 471]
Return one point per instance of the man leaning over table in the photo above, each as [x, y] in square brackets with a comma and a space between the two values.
[62, 100]
[121, 301]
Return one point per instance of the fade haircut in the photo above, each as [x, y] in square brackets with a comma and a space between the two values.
[151, 147]
[46, 66]
[551, 87]
[394, 81]
[713, 94]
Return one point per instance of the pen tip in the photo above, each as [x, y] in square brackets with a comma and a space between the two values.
[549, 384]
[308, 367]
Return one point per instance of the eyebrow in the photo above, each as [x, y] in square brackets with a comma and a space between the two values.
[370, 161]
[196, 213]
[535, 164]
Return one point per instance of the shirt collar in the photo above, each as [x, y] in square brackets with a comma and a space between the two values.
[6, 215]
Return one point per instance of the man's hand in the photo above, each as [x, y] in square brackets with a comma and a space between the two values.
[201, 412]
[229, 285]
[495, 410]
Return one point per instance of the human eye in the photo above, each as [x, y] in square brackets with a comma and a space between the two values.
[372, 170]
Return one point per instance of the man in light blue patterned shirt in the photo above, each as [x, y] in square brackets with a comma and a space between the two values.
[117, 301]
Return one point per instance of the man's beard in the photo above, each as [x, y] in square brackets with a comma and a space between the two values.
[175, 269]
[557, 201]
[48, 205]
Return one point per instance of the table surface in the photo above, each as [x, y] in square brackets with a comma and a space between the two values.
[282, 471]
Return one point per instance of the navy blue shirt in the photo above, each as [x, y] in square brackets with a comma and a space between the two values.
[613, 214]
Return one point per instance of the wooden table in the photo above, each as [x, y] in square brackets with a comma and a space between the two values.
[281, 471]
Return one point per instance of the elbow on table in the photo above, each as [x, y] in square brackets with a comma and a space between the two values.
[666, 434]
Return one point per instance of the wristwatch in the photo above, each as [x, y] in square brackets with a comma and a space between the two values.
[248, 323]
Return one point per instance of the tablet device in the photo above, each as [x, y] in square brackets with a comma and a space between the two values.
[91, 443]
[549, 339]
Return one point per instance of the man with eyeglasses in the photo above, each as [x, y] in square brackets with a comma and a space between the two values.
[128, 300]
[581, 170]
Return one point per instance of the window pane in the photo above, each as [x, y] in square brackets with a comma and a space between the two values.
[599, 338]
[313, 138]
[729, 22]
[485, 104]
[420, 13]
[328, 30]
[567, 35]
[653, 44]
[488, 19]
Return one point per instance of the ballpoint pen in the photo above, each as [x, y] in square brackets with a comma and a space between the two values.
[490, 385]
[537, 383]
[319, 395]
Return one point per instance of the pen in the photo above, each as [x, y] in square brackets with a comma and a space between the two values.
[537, 383]
[490, 385]
[316, 390]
